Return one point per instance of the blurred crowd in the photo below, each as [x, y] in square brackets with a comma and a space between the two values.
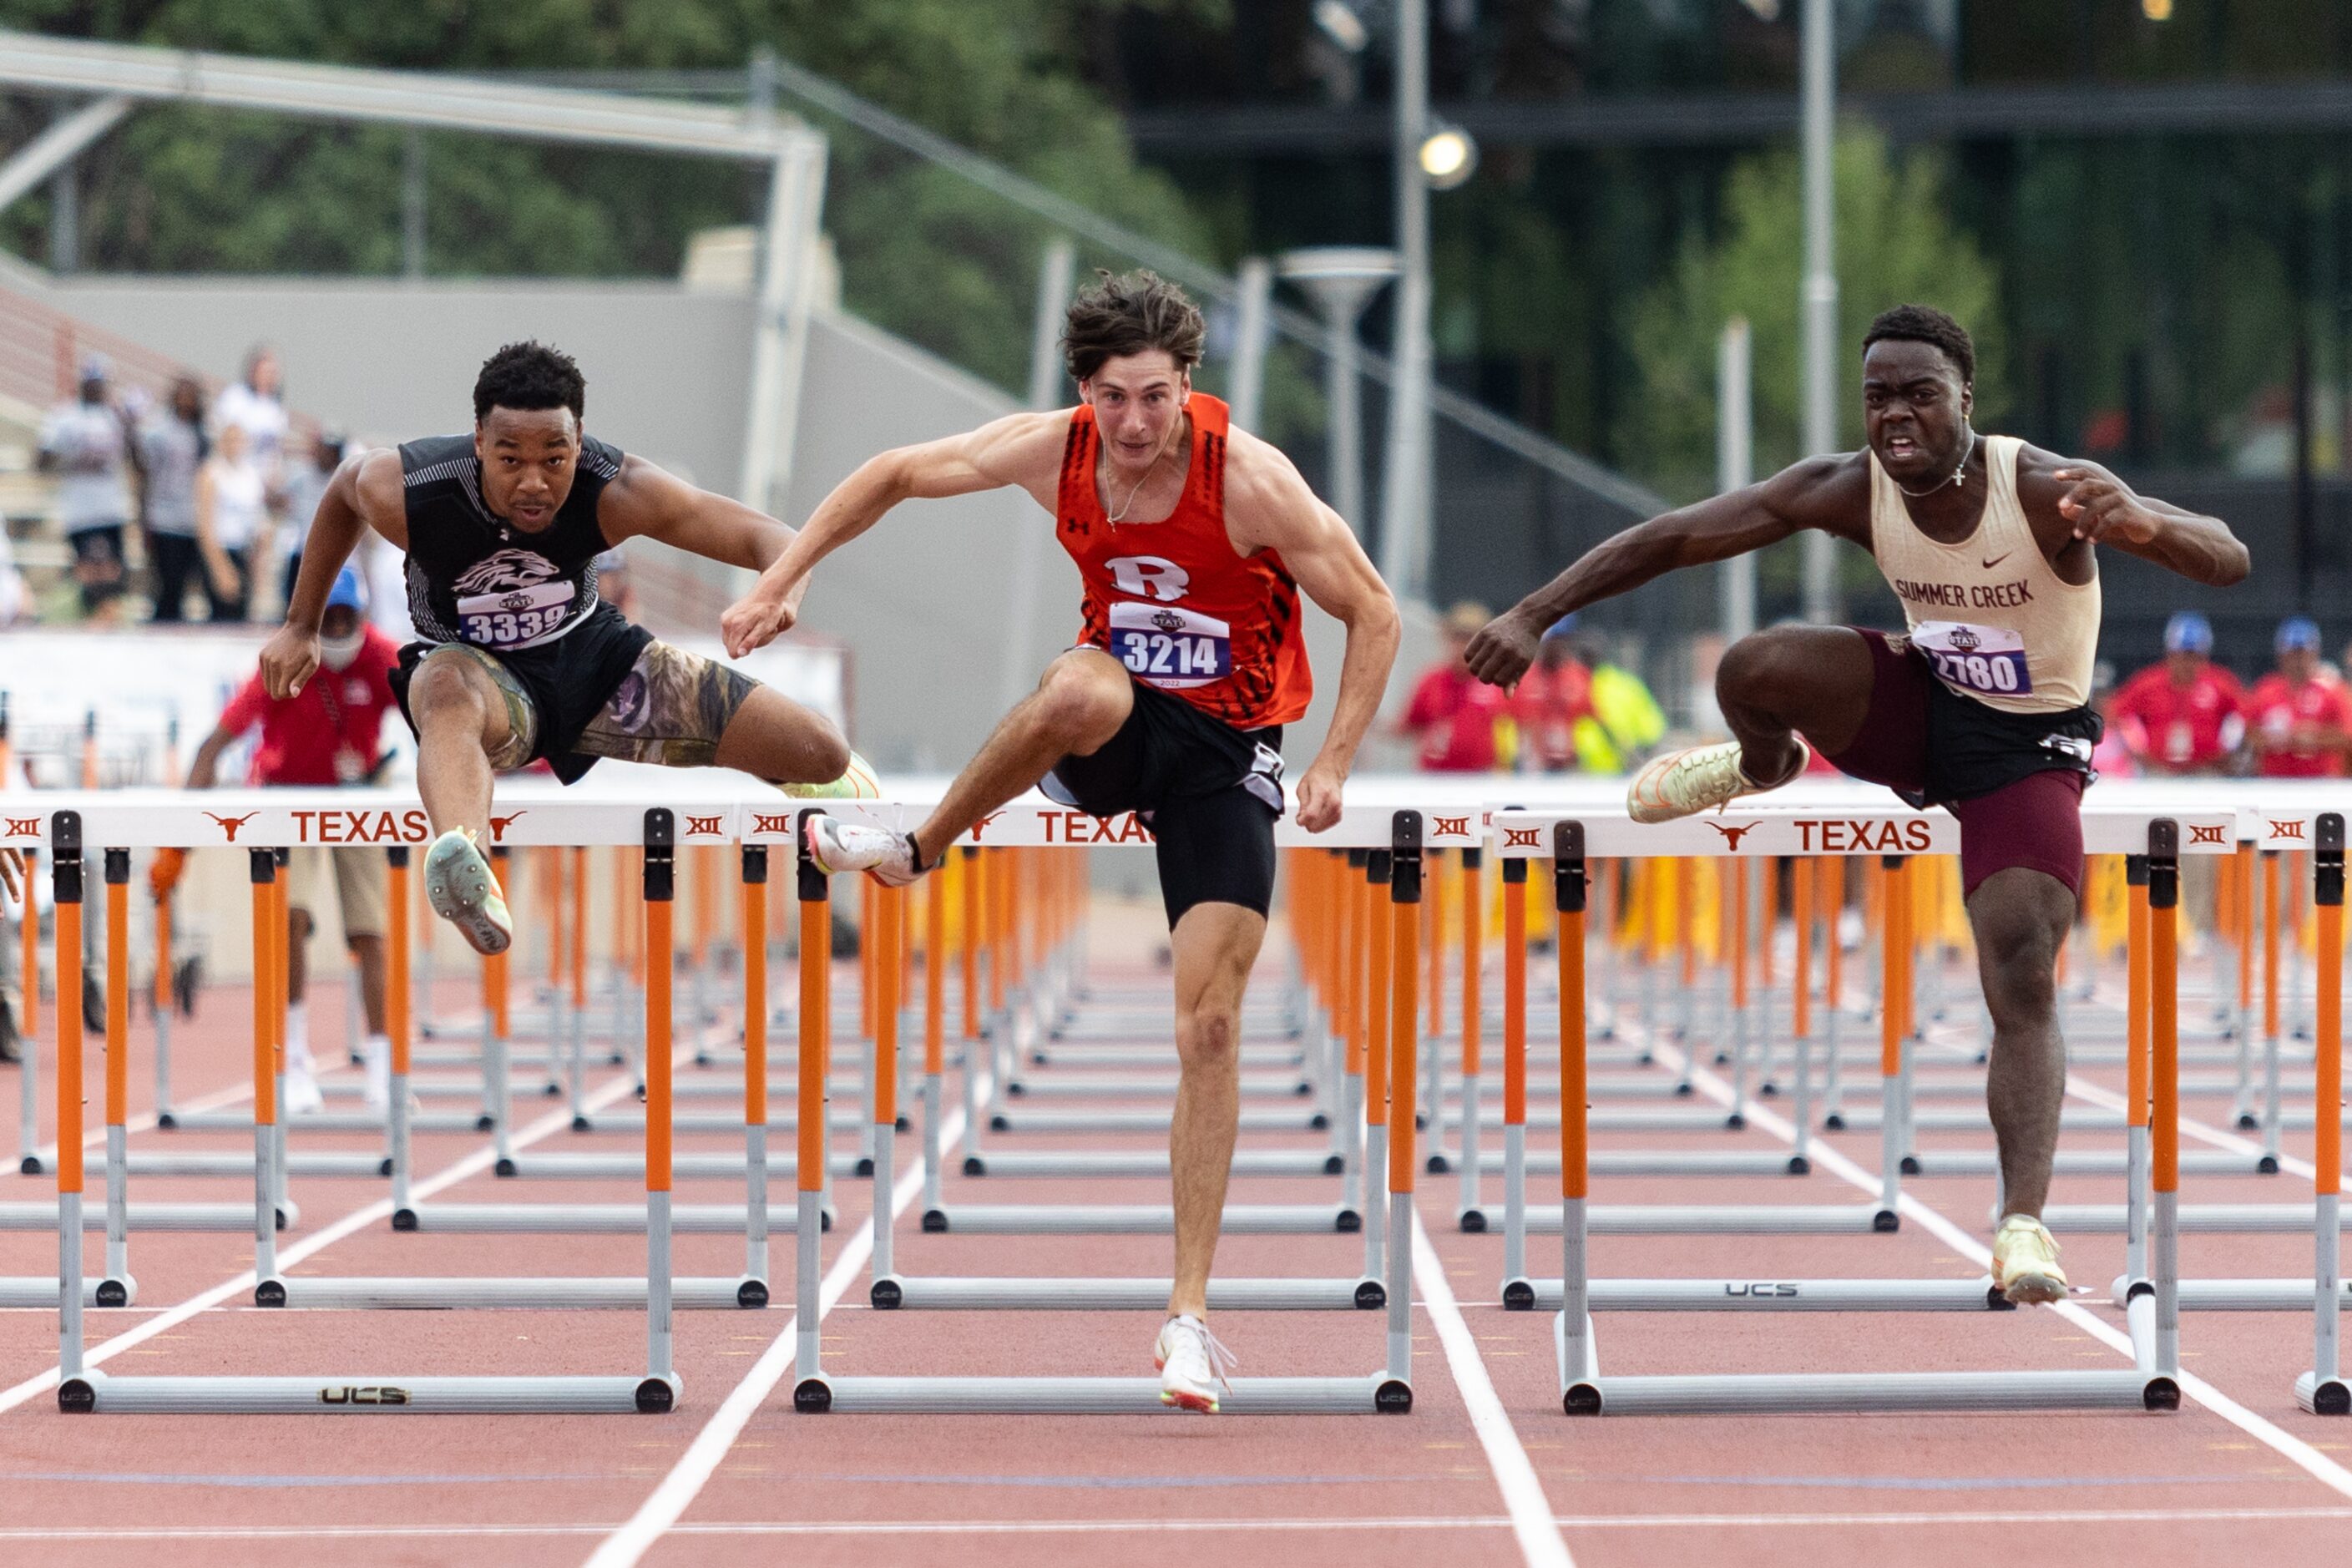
[1575, 711]
[2187, 715]
[190, 507]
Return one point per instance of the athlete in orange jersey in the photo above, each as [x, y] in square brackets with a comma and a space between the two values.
[1192, 540]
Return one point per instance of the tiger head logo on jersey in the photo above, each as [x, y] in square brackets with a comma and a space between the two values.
[508, 569]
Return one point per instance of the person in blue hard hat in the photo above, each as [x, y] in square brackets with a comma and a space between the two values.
[2186, 714]
[2299, 717]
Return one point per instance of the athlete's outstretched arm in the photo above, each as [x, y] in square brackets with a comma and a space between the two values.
[1269, 507]
[646, 501]
[2101, 509]
[1805, 495]
[365, 490]
[1023, 449]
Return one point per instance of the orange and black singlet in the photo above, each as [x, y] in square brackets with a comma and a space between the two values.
[1171, 600]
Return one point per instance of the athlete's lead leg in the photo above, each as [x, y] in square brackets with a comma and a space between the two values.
[1080, 702]
[1774, 684]
[461, 722]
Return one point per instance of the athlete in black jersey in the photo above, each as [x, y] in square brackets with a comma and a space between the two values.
[520, 658]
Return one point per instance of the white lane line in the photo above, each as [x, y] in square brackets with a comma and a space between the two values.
[2318, 1466]
[350, 1224]
[1515, 1473]
[661, 1511]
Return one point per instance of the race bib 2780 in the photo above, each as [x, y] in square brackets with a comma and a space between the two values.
[1987, 659]
[1168, 648]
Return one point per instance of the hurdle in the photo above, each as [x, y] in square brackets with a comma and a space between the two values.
[82, 1389]
[1387, 1391]
[2152, 1383]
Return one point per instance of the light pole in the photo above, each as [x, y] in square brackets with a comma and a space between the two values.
[1819, 300]
[1404, 502]
[1342, 278]
[1735, 469]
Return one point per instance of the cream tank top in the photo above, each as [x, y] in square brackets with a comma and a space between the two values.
[1990, 613]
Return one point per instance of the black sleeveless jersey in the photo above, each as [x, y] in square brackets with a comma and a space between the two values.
[475, 578]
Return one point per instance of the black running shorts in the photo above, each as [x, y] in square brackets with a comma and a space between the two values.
[1210, 794]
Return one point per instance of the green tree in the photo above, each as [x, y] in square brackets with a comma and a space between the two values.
[195, 189]
[1895, 244]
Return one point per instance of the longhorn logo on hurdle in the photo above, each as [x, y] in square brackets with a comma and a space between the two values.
[2201, 833]
[498, 826]
[1732, 835]
[982, 825]
[229, 824]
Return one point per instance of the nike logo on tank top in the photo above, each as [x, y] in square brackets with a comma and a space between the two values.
[1989, 611]
[1171, 600]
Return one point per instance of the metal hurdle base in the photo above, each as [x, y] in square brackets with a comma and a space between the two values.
[1976, 1295]
[1145, 1164]
[586, 1219]
[561, 1167]
[1136, 1219]
[430, 1293]
[41, 1291]
[895, 1292]
[2227, 1219]
[2288, 1294]
[1381, 1395]
[233, 1218]
[2323, 1395]
[96, 1392]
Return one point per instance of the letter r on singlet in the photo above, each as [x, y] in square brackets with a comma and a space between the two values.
[1150, 575]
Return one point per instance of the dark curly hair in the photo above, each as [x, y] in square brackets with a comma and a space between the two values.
[1122, 316]
[1927, 324]
[530, 376]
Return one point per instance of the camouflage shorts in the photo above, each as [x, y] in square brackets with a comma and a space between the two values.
[670, 710]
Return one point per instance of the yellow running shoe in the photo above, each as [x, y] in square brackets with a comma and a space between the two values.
[857, 782]
[461, 886]
[1699, 778]
[2025, 1262]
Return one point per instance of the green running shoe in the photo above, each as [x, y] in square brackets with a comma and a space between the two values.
[460, 886]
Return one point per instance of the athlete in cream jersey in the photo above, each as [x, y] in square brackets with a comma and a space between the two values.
[1980, 708]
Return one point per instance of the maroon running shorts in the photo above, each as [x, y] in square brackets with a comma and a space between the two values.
[2035, 821]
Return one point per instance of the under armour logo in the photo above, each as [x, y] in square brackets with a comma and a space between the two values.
[763, 822]
[709, 825]
[1152, 576]
[229, 824]
[498, 826]
[1732, 835]
[1523, 838]
[982, 825]
[2202, 834]
[1457, 827]
[2287, 829]
[24, 827]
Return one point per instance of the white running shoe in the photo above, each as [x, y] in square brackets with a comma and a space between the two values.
[888, 857]
[302, 1096]
[2025, 1262]
[1699, 778]
[1192, 1365]
[462, 890]
[857, 782]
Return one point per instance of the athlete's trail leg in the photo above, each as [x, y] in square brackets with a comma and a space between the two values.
[1216, 945]
[368, 959]
[1080, 702]
[461, 719]
[1816, 680]
[773, 738]
[2020, 917]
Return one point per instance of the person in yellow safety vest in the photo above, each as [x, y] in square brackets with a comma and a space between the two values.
[1625, 720]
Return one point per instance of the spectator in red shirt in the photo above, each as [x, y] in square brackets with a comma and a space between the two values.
[2186, 715]
[2299, 719]
[1551, 697]
[327, 733]
[1452, 713]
